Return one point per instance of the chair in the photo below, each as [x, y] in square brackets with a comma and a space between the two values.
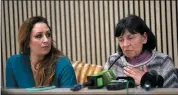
[82, 70]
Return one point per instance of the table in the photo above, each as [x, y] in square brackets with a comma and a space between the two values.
[86, 91]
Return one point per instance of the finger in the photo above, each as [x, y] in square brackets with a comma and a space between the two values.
[145, 69]
[127, 73]
[129, 70]
[130, 67]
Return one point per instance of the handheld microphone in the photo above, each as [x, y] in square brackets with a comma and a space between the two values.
[151, 80]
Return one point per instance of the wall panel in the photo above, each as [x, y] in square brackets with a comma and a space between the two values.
[83, 30]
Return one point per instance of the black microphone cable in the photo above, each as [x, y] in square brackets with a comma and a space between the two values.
[115, 60]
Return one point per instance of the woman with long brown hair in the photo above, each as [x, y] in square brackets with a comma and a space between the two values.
[39, 63]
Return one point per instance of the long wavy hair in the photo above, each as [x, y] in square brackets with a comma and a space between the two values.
[46, 70]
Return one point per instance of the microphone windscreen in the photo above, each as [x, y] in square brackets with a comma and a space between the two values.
[101, 79]
[160, 81]
[152, 78]
[144, 79]
[108, 75]
[148, 78]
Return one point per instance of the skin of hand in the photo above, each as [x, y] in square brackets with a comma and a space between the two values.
[135, 73]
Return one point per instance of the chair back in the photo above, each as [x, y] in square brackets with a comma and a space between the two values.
[82, 70]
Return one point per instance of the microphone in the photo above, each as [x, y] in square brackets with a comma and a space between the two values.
[120, 82]
[96, 81]
[151, 80]
[115, 60]
[103, 78]
[100, 80]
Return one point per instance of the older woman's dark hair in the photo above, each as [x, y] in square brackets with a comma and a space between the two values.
[135, 24]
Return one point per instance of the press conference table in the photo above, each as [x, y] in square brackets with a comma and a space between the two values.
[86, 91]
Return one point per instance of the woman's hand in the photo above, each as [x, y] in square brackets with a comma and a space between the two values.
[135, 73]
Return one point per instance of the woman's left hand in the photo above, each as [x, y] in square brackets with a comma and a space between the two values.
[135, 73]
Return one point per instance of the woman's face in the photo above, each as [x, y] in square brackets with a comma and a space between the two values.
[40, 39]
[132, 44]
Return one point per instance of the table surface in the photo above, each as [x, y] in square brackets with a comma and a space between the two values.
[86, 91]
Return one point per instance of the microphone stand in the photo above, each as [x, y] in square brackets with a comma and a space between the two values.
[115, 60]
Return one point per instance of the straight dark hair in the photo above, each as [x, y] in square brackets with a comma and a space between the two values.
[135, 24]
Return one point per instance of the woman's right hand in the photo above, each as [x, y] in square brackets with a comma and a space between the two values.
[135, 73]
